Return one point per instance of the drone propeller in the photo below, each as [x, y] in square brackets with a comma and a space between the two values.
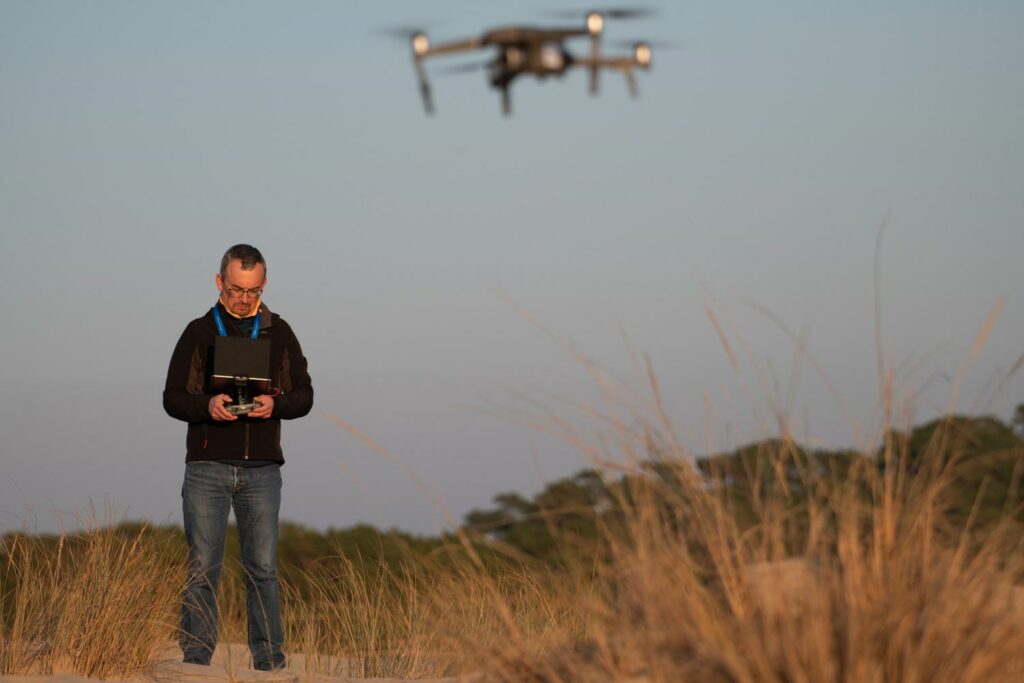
[606, 12]
[653, 44]
[400, 33]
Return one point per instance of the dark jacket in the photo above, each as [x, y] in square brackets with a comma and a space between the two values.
[187, 393]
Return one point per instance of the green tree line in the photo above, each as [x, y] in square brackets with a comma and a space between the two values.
[566, 522]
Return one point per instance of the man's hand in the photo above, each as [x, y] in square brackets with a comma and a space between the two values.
[265, 407]
[217, 410]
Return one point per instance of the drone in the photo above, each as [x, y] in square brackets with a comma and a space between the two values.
[540, 52]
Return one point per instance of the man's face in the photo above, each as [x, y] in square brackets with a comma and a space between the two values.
[240, 289]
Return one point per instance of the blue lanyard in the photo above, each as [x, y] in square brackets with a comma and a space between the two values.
[222, 331]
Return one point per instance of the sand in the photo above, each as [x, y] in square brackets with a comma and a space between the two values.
[230, 663]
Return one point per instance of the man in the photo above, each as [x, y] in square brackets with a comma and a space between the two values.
[234, 460]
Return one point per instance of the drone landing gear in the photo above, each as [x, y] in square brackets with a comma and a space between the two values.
[502, 81]
[595, 62]
[506, 101]
[631, 82]
[421, 75]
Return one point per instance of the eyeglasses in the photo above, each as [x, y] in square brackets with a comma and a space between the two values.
[238, 292]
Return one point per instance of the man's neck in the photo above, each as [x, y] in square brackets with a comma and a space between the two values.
[255, 309]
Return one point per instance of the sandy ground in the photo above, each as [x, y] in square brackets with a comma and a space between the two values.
[230, 663]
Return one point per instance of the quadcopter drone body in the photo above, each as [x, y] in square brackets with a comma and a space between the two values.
[539, 52]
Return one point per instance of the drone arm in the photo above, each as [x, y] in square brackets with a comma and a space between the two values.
[625, 65]
[452, 47]
[560, 34]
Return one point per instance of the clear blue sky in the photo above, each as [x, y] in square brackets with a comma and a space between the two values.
[139, 140]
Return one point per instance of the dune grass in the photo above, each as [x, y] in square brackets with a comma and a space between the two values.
[863, 580]
[789, 568]
[851, 577]
[809, 571]
[98, 602]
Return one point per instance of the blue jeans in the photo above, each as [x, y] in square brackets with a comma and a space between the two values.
[209, 492]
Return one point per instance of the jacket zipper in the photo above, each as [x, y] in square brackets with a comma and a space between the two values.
[246, 441]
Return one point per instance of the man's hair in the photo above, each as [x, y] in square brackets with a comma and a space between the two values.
[247, 254]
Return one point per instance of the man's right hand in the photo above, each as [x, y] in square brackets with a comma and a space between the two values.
[217, 410]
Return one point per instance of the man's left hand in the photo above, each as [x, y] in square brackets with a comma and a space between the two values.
[265, 407]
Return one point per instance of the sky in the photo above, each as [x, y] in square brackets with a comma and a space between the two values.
[438, 270]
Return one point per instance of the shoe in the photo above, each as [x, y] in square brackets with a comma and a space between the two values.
[193, 660]
[269, 666]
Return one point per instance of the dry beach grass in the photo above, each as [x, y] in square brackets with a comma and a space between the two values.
[843, 574]
[99, 603]
[861, 580]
